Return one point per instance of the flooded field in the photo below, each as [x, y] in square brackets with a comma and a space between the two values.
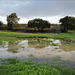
[39, 49]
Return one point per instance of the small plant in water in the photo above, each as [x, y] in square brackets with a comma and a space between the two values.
[13, 48]
[56, 47]
[14, 51]
[30, 55]
[58, 58]
[22, 46]
[54, 44]
[59, 50]
[2, 45]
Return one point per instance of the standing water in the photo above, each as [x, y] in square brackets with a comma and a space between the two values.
[39, 49]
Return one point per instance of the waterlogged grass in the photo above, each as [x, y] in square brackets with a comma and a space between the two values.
[38, 43]
[67, 46]
[8, 35]
[16, 67]
[56, 47]
[58, 58]
[13, 49]
[31, 55]
[54, 44]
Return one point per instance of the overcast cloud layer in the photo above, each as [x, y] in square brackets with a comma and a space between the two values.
[51, 10]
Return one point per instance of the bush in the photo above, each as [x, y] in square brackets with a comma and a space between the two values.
[1, 24]
[38, 24]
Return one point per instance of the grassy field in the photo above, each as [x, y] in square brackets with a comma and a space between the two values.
[5, 35]
[17, 67]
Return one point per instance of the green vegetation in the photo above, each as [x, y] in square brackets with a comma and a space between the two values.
[31, 55]
[56, 47]
[68, 23]
[1, 24]
[22, 46]
[58, 58]
[54, 44]
[38, 24]
[67, 46]
[6, 35]
[12, 20]
[17, 67]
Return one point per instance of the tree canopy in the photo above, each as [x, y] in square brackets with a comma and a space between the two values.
[68, 23]
[12, 20]
[38, 24]
[1, 23]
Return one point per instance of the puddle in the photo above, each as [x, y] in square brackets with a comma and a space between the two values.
[42, 49]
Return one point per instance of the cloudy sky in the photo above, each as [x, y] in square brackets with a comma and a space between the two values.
[51, 10]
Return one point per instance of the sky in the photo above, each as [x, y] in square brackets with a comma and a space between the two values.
[50, 10]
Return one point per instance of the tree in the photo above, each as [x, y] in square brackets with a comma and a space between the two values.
[68, 23]
[12, 20]
[38, 24]
[1, 23]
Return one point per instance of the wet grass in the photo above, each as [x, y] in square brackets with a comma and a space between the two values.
[22, 46]
[17, 67]
[30, 55]
[11, 37]
[58, 58]
[56, 47]
[8, 35]
[13, 48]
[67, 46]
[38, 43]
[36, 46]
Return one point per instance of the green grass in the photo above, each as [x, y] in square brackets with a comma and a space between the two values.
[13, 35]
[31, 55]
[16, 67]
[56, 47]
[58, 58]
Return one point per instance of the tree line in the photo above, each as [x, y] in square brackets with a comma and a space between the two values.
[67, 23]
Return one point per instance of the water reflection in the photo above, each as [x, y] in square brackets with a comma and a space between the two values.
[38, 49]
[37, 44]
[23, 44]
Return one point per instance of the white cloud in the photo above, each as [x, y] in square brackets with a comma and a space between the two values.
[52, 19]
[3, 19]
[23, 20]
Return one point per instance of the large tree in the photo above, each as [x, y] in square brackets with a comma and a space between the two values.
[1, 23]
[68, 23]
[12, 20]
[38, 24]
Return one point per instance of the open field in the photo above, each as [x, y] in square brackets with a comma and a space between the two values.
[37, 49]
[11, 35]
